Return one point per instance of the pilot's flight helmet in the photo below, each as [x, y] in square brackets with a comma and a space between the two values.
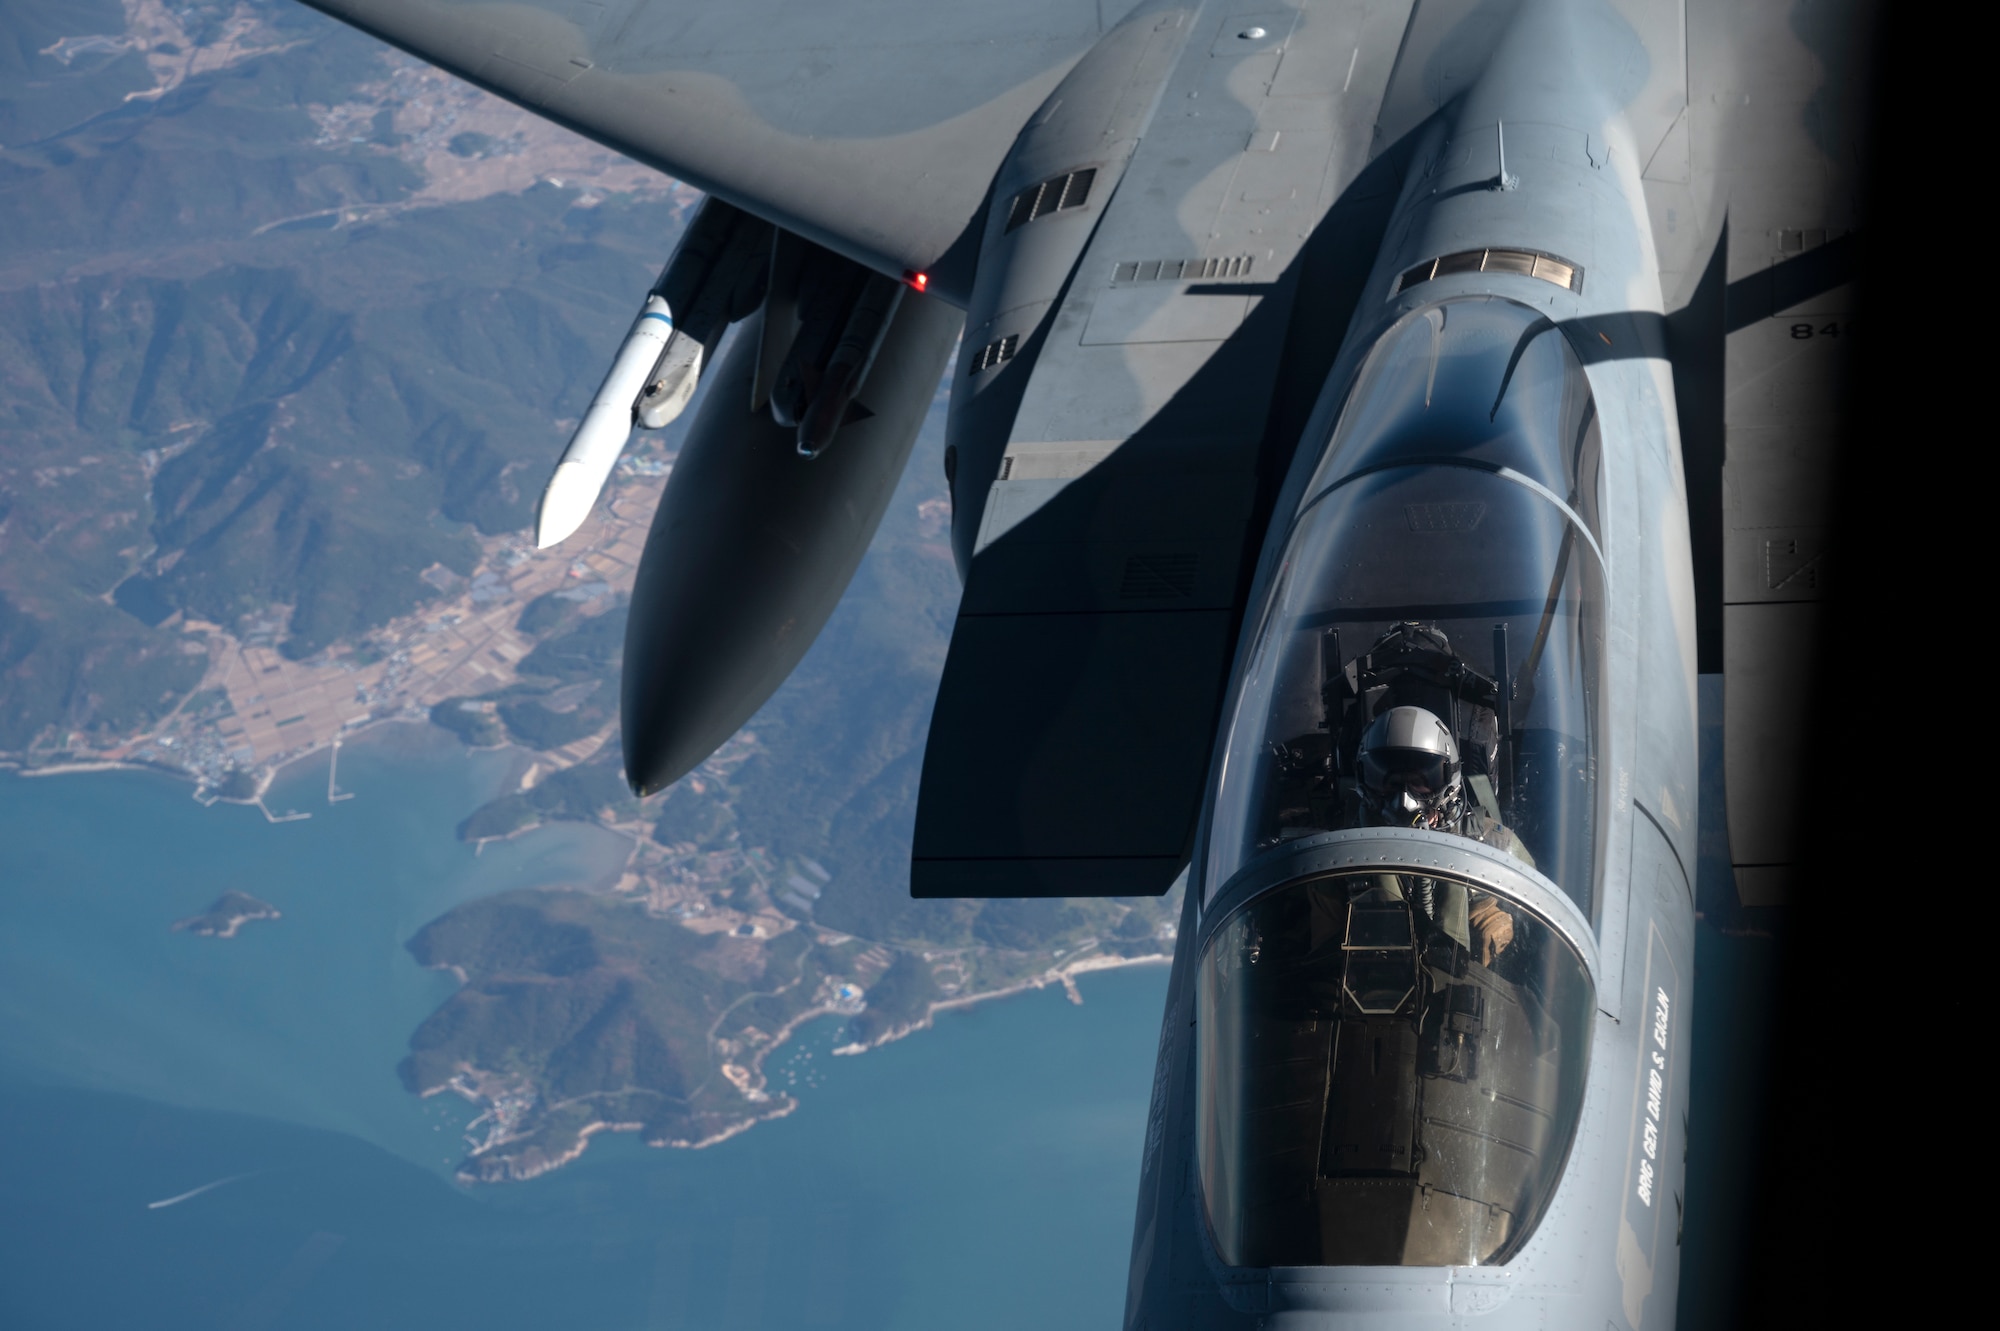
[1410, 770]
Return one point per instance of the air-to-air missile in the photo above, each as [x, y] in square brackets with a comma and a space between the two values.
[593, 451]
[717, 275]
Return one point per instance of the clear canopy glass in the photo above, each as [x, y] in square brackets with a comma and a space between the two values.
[1389, 1072]
[1445, 557]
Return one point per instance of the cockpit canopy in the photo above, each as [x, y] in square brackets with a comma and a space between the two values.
[1389, 1071]
[1445, 557]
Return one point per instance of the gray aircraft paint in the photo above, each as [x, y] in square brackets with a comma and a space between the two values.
[1127, 446]
[703, 652]
[1181, 376]
[873, 134]
[1587, 206]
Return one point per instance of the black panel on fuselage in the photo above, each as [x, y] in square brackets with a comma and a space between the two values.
[1075, 723]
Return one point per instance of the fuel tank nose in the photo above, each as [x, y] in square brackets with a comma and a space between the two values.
[753, 545]
[745, 559]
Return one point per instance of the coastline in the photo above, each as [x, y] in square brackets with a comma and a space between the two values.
[1063, 973]
[780, 1109]
[93, 765]
[265, 772]
[758, 1103]
[204, 925]
[388, 731]
[535, 1162]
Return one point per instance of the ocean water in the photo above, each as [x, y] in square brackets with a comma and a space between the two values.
[978, 1175]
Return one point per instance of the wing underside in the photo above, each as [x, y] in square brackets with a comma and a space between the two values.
[873, 131]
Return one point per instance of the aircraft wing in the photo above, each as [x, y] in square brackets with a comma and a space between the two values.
[874, 131]
[1754, 195]
[1112, 552]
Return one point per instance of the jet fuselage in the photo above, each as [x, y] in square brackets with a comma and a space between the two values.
[1520, 492]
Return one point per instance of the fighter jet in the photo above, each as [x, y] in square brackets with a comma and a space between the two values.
[1367, 418]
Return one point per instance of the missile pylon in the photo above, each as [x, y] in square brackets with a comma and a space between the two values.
[846, 370]
[717, 276]
[671, 386]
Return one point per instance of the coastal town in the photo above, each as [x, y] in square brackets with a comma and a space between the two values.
[257, 710]
[739, 940]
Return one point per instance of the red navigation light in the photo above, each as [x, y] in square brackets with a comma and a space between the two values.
[917, 281]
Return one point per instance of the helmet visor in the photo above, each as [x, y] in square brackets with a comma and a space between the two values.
[1413, 770]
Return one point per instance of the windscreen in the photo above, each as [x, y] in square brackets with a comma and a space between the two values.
[1430, 651]
[1389, 1071]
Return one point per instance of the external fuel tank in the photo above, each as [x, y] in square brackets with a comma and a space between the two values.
[753, 543]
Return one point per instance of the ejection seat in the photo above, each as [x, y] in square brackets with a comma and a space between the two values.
[1411, 665]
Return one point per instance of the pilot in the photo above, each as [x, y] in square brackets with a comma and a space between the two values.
[1411, 776]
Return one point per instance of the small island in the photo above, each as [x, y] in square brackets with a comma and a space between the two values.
[226, 914]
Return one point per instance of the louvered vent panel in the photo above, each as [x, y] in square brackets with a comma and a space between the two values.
[1183, 270]
[995, 353]
[1054, 195]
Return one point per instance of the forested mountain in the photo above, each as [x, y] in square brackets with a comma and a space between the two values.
[246, 360]
[291, 330]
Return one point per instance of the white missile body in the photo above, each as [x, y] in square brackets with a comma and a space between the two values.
[586, 464]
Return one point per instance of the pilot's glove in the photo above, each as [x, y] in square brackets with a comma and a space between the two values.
[1494, 928]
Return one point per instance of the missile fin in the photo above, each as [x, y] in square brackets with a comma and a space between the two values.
[778, 325]
[847, 368]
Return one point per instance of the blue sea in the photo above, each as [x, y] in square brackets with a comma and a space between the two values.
[979, 1175]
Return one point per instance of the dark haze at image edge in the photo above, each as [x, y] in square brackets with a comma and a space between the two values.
[1844, 1091]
